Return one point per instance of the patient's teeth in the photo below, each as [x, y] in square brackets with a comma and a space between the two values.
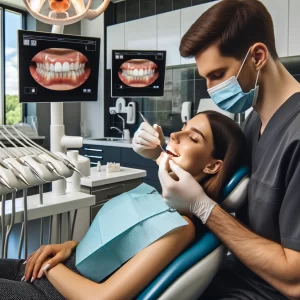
[48, 76]
[52, 69]
[65, 74]
[60, 74]
[47, 66]
[141, 72]
[135, 72]
[58, 67]
[72, 67]
[73, 75]
[76, 66]
[56, 75]
[66, 67]
[69, 74]
[51, 74]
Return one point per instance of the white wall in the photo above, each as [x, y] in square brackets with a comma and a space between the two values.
[93, 112]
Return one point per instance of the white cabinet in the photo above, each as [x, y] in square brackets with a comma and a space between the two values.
[168, 36]
[115, 40]
[279, 10]
[294, 28]
[188, 17]
[141, 34]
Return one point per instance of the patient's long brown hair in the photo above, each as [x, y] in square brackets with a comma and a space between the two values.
[229, 146]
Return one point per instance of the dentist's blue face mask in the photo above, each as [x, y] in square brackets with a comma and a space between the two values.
[229, 96]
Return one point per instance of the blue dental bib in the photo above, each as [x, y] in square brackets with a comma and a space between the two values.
[124, 226]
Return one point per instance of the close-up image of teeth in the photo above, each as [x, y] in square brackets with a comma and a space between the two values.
[60, 69]
[138, 72]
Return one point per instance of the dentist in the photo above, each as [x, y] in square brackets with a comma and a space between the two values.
[234, 47]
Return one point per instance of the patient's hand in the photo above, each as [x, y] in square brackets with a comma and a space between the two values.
[47, 257]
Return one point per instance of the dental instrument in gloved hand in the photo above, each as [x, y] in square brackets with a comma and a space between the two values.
[186, 194]
[145, 120]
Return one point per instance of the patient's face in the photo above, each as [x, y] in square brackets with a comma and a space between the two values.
[191, 148]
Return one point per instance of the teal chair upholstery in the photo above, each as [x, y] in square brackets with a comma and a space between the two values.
[191, 272]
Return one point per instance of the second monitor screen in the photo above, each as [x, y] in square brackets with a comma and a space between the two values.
[138, 73]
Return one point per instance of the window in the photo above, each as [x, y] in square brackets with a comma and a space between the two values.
[11, 21]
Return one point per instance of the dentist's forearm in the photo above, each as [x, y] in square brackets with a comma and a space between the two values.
[71, 285]
[275, 264]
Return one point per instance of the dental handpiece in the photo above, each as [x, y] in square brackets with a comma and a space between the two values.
[72, 167]
[52, 169]
[16, 172]
[145, 120]
[48, 165]
[4, 182]
[33, 170]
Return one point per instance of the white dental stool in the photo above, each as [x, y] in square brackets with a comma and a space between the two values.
[187, 277]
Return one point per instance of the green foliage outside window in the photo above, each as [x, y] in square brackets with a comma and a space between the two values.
[13, 109]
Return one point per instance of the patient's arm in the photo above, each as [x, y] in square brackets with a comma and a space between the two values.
[132, 277]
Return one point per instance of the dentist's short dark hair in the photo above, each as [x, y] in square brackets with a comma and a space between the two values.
[235, 25]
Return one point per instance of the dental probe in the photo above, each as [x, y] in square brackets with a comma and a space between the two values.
[36, 146]
[145, 120]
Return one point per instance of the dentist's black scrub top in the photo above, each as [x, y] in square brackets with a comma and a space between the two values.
[273, 208]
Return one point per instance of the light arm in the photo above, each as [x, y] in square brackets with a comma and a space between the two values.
[94, 13]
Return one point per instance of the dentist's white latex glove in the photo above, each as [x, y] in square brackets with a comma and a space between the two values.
[186, 194]
[146, 140]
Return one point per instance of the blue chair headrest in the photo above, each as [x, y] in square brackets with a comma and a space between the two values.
[236, 178]
[235, 192]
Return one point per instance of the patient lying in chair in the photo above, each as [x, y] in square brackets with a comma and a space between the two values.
[210, 147]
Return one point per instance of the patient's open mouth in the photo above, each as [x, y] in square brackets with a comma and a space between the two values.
[171, 152]
[138, 72]
[60, 69]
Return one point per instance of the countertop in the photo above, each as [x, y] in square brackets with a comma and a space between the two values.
[120, 143]
[102, 178]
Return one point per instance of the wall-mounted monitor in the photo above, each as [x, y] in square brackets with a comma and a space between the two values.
[138, 73]
[57, 67]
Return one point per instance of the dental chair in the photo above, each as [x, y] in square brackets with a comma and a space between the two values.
[187, 277]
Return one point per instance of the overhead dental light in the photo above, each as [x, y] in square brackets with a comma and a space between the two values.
[64, 12]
